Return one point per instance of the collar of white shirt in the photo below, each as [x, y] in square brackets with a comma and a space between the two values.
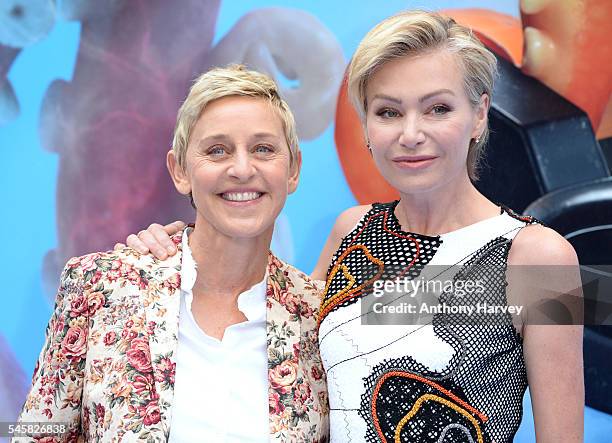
[252, 302]
[221, 383]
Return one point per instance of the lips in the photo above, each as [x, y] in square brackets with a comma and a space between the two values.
[241, 196]
[414, 158]
[414, 161]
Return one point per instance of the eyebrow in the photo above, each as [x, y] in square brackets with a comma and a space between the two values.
[434, 93]
[421, 100]
[388, 98]
[222, 137]
[212, 138]
[265, 135]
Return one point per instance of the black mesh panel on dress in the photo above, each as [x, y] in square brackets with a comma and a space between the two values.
[376, 249]
[493, 374]
[478, 397]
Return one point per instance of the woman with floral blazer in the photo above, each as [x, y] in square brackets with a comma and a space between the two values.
[108, 366]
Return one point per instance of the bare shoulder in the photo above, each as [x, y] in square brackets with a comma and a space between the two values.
[543, 268]
[539, 245]
[347, 220]
[345, 223]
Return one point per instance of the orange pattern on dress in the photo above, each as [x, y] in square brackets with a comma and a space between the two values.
[450, 404]
[347, 293]
[433, 384]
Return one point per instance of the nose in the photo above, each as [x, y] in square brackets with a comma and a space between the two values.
[242, 167]
[412, 134]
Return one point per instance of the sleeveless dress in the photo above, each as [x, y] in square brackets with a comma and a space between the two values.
[449, 377]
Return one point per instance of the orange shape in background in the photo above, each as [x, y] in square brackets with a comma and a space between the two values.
[575, 53]
[501, 33]
[363, 178]
[584, 76]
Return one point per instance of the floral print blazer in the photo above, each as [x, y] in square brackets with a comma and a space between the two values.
[108, 363]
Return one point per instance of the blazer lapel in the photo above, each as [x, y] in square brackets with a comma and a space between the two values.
[162, 308]
[283, 334]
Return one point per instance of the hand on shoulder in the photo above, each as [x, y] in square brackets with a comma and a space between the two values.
[156, 239]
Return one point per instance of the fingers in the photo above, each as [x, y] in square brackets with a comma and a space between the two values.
[174, 227]
[155, 239]
[158, 241]
[135, 243]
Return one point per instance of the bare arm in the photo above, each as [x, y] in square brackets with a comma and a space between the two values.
[344, 224]
[553, 352]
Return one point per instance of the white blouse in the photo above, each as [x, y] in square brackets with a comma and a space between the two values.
[221, 386]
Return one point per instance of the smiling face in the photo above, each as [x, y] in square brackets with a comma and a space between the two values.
[420, 122]
[237, 167]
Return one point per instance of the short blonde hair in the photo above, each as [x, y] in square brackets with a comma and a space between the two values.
[233, 80]
[416, 32]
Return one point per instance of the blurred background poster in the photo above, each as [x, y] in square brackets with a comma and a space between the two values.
[89, 92]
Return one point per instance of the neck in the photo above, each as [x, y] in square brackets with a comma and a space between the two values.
[444, 209]
[227, 265]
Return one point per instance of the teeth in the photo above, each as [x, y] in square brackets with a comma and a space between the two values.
[539, 52]
[533, 6]
[241, 196]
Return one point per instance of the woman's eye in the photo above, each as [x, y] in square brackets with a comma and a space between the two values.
[387, 113]
[217, 151]
[440, 110]
[264, 149]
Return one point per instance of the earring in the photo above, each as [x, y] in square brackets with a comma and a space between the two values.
[477, 139]
[369, 147]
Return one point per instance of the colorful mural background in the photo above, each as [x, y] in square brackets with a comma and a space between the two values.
[88, 96]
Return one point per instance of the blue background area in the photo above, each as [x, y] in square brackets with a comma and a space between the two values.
[29, 177]
[29, 183]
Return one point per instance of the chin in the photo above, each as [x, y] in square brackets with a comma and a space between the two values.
[423, 183]
[246, 229]
[416, 185]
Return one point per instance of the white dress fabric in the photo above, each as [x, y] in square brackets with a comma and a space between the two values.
[437, 378]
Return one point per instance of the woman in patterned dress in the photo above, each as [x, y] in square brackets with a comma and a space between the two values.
[422, 85]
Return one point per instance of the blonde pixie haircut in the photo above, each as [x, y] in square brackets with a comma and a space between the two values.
[414, 33]
[233, 80]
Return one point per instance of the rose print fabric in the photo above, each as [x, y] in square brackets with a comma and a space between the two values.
[107, 366]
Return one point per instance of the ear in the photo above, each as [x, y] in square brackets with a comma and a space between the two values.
[179, 177]
[481, 116]
[294, 173]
